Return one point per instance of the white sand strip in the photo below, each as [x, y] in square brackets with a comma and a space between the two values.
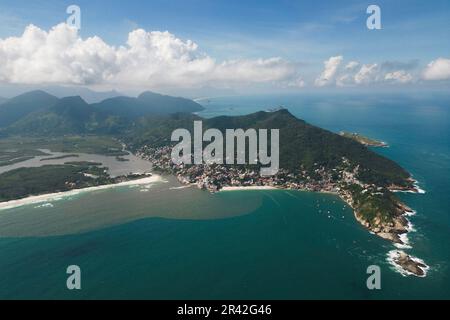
[59, 195]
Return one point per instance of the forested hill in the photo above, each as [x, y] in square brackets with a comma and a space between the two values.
[147, 103]
[301, 144]
[18, 107]
[38, 113]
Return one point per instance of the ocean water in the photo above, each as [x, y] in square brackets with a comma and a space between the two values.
[165, 242]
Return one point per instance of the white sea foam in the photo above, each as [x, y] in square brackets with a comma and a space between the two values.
[45, 205]
[419, 190]
[403, 238]
[416, 191]
[145, 188]
[410, 213]
[410, 227]
[51, 197]
[179, 188]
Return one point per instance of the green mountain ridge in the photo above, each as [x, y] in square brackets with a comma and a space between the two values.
[18, 107]
[301, 144]
[69, 115]
[145, 104]
[72, 115]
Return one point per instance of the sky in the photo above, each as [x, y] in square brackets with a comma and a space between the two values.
[230, 46]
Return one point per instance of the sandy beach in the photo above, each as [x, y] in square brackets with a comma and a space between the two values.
[58, 195]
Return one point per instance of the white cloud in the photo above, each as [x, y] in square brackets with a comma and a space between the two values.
[297, 83]
[367, 74]
[331, 66]
[438, 69]
[354, 73]
[386, 72]
[352, 65]
[149, 59]
[58, 56]
[400, 76]
[344, 80]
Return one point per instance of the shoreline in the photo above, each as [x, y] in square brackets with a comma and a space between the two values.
[58, 195]
[247, 188]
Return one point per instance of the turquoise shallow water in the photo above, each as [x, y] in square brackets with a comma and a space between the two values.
[184, 243]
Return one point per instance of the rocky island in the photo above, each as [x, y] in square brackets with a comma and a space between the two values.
[408, 264]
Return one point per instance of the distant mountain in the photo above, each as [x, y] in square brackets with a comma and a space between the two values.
[88, 95]
[70, 115]
[24, 104]
[31, 114]
[163, 104]
[202, 92]
[126, 107]
[2, 100]
[147, 103]
[73, 108]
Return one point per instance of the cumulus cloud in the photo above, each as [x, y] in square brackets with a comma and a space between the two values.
[368, 73]
[400, 76]
[149, 59]
[57, 56]
[438, 69]
[330, 68]
[344, 80]
[356, 74]
[352, 65]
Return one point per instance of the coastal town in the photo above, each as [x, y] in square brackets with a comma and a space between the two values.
[342, 181]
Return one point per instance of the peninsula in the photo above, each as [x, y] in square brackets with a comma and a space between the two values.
[312, 159]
